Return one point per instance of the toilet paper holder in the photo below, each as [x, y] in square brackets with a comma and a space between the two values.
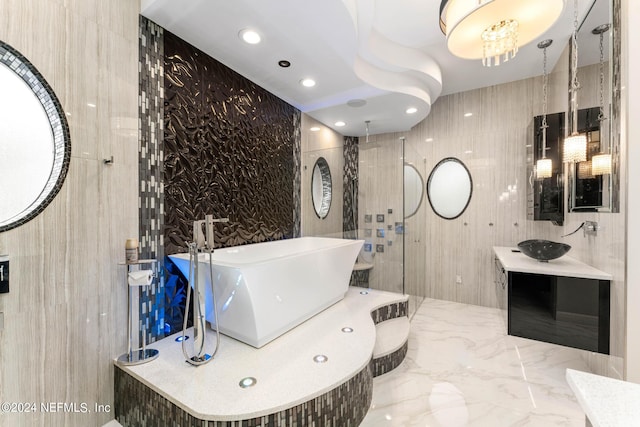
[140, 282]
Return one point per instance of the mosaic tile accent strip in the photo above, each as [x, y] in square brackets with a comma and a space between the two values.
[21, 66]
[389, 362]
[228, 152]
[137, 405]
[350, 186]
[350, 203]
[391, 311]
[359, 278]
[150, 161]
[297, 169]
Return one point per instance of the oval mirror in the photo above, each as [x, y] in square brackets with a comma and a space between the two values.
[449, 188]
[321, 188]
[413, 190]
[35, 148]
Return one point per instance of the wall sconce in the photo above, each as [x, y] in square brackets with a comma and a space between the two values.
[575, 146]
[585, 170]
[491, 29]
[601, 164]
[544, 166]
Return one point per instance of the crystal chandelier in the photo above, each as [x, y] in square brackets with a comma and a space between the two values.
[601, 162]
[493, 30]
[575, 145]
[499, 39]
[544, 166]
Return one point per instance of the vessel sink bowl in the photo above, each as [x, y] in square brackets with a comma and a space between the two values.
[543, 250]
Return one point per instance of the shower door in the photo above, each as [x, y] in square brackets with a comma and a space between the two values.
[415, 201]
[380, 210]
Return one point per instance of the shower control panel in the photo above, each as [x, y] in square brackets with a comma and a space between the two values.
[4, 274]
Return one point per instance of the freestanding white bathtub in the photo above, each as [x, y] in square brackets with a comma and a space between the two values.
[265, 289]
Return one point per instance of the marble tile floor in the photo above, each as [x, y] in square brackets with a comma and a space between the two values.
[463, 370]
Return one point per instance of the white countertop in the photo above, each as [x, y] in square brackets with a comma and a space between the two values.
[285, 371]
[563, 266]
[607, 402]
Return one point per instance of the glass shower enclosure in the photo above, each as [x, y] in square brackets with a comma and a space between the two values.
[377, 190]
[391, 216]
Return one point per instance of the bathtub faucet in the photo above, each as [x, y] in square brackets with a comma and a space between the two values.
[204, 239]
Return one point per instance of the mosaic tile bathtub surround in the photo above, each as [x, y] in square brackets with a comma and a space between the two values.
[389, 362]
[137, 405]
[389, 312]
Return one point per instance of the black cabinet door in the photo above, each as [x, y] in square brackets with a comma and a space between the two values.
[560, 310]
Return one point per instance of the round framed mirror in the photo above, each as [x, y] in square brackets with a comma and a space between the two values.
[35, 147]
[413, 190]
[321, 188]
[449, 188]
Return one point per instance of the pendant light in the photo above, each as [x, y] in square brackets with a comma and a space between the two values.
[601, 162]
[544, 166]
[575, 145]
[493, 30]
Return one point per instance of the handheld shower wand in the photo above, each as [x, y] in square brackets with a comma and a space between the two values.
[203, 241]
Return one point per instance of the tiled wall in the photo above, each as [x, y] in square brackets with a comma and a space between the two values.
[150, 174]
[328, 144]
[229, 151]
[350, 188]
[492, 144]
[65, 317]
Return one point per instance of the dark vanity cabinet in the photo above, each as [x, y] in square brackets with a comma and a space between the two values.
[561, 310]
[545, 197]
[541, 304]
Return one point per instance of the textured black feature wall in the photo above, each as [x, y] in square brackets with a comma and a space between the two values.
[229, 151]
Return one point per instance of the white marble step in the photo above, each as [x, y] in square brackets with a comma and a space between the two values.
[391, 335]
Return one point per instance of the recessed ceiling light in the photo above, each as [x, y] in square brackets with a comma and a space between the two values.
[340, 123]
[249, 36]
[314, 129]
[468, 114]
[429, 139]
[308, 82]
[284, 63]
[412, 110]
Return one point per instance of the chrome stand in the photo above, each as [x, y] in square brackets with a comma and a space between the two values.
[143, 354]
